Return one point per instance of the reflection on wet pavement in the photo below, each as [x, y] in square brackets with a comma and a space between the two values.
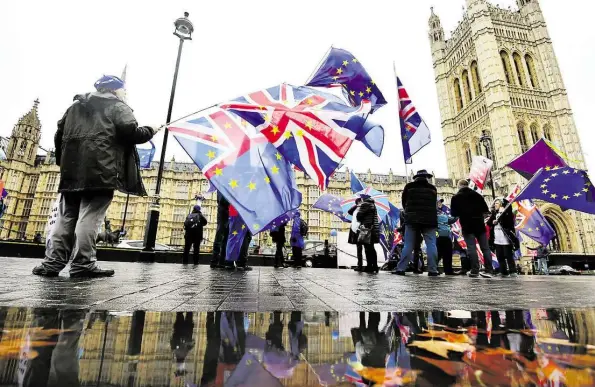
[47, 347]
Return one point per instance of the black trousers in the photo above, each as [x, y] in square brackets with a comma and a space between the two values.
[505, 257]
[279, 254]
[444, 245]
[220, 242]
[360, 255]
[297, 255]
[189, 242]
[243, 259]
[371, 256]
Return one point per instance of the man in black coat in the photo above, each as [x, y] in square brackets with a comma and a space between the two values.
[96, 151]
[368, 217]
[278, 236]
[193, 234]
[419, 203]
[222, 233]
[471, 209]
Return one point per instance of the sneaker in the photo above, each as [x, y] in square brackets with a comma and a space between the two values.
[43, 272]
[244, 268]
[95, 273]
[485, 274]
[399, 272]
[433, 274]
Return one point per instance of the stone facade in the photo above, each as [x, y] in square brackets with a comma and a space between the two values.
[497, 74]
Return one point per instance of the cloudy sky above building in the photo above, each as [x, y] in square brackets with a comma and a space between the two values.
[54, 50]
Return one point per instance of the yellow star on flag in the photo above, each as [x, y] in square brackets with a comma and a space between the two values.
[300, 132]
[218, 171]
[585, 189]
[554, 174]
[233, 183]
[339, 71]
[372, 82]
[542, 224]
[354, 60]
[211, 154]
[530, 230]
[536, 228]
[335, 78]
[267, 117]
[214, 138]
[556, 167]
[587, 184]
[352, 92]
[252, 186]
[243, 226]
[275, 130]
[256, 226]
[309, 124]
[278, 156]
[345, 63]
[548, 168]
[576, 195]
[576, 171]
[309, 101]
[227, 125]
[566, 172]
[361, 93]
[565, 197]
[287, 134]
[553, 196]
[545, 191]
[368, 89]
[267, 180]
[544, 186]
[547, 180]
[234, 233]
[275, 169]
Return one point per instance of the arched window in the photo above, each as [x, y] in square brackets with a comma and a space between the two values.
[506, 65]
[477, 147]
[475, 78]
[467, 86]
[534, 133]
[458, 95]
[520, 70]
[547, 132]
[468, 156]
[532, 73]
[522, 137]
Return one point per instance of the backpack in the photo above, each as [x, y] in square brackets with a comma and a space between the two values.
[303, 228]
[192, 221]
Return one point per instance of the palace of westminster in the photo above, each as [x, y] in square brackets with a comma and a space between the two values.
[497, 75]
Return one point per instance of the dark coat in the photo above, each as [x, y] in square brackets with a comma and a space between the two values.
[352, 238]
[197, 232]
[470, 208]
[96, 146]
[506, 221]
[278, 235]
[419, 203]
[368, 217]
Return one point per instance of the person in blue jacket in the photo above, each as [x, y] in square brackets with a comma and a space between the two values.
[444, 241]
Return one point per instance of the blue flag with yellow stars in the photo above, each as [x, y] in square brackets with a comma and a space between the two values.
[242, 165]
[331, 204]
[567, 187]
[237, 233]
[341, 68]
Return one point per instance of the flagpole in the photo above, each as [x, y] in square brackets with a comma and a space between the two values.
[319, 64]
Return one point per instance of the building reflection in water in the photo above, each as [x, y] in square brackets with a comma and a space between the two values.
[47, 347]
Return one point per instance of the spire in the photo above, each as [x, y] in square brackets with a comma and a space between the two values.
[436, 33]
[123, 77]
[31, 118]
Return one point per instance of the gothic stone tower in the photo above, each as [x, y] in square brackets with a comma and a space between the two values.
[498, 74]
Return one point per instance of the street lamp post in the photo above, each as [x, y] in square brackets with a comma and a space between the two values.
[486, 141]
[183, 31]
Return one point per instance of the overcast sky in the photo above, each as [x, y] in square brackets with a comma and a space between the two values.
[52, 50]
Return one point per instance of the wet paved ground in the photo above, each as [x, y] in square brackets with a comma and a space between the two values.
[168, 287]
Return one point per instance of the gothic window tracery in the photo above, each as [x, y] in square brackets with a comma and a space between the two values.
[522, 136]
[467, 86]
[506, 65]
[458, 95]
[534, 133]
[475, 78]
[468, 155]
[532, 72]
[547, 132]
[520, 70]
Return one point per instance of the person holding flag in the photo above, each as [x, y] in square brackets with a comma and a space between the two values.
[503, 237]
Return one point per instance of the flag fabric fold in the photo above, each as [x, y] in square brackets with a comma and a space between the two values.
[541, 155]
[341, 68]
[332, 204]
[237, 233]
[146, 155]
[567, 187]
[242, 165]
[529, 220]
[415, 134]
[356, 184]
[380, 201]
[311, 129]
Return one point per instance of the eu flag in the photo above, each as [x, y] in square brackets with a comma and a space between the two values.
[356, 184]
[567, 187]
[242, 165]
[331, 203]
[341, 68]
[237, 233]
[146, 155]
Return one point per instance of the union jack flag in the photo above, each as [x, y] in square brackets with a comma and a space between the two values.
[380, 201]
[415, 133]
[457, 232]
[308, 127]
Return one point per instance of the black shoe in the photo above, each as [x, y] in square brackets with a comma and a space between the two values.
[358, 269]
[398, 272]
[473, 274]
[245, 268]
[229, 267]
[452, 273]
[43, 272]
[433, 274]
[95, 273]
[214, 265]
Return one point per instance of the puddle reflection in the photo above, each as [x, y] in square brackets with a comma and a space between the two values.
[46, 347]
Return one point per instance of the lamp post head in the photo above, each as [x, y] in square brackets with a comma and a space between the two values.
[184, 27]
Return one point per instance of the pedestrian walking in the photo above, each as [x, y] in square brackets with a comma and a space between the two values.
[369, 232]
[193, 234]
[470, 208]
[278, 236]
[221, 234]
[419, 201]
[444, 241]
[354, 233]
[299, 230]
[96, 152]
[541, 257]
[503, 237]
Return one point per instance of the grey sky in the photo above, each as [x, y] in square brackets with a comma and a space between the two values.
[53, 50]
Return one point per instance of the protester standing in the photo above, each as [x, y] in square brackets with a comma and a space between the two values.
[299, 229]
[193, 234]
[541, 256]
[368, 218]
[470, 208]
[419, 201]
[503, 237]
[354, 232]
[242, 263]
[220, 242]
[444, 241]
[278, 236]
[96, 151]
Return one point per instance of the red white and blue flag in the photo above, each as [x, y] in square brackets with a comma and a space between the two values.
[311, 129]
[415, 134]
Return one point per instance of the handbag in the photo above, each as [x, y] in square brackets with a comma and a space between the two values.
[365, 235]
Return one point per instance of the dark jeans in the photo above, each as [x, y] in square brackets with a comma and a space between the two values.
[297, 255]
[505, 257]
[191, 241]
[482, 239]
[360, 255]
[220, 242]
[243, 259]
[444, 245]
[371, 256]
[279, 254]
